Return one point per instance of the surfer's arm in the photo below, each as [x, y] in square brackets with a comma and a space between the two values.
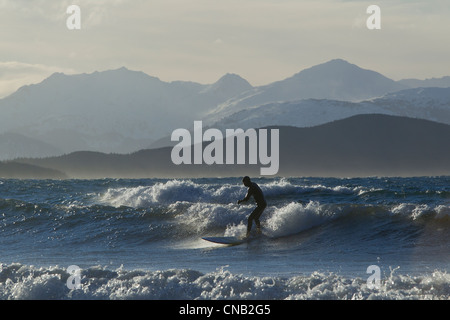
[249, 194]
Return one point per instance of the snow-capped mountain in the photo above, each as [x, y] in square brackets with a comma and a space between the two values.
[334, 80]
[122, 111]
[423, 103]
[113, 111]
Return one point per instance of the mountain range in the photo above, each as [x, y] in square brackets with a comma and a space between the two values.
[423, 103]
[362, 145]
[118, 113]
[112, 111]
[334, 80]
[122, 111]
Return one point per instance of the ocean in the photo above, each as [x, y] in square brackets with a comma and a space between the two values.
[323, 238]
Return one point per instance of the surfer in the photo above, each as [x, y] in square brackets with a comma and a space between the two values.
[255, 191]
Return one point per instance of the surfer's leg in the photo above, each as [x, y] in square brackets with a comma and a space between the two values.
[249, 224]
[251, 217]
[260, 210]
[255, 216]
[258, 226]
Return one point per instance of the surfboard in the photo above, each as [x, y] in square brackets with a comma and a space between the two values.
[226, 240]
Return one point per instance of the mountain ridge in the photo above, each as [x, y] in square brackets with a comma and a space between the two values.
[121, 111]
[111, 111]
[336, 79]
[362, 145]
[424, 103]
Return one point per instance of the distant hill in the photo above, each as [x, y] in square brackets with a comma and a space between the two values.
[14, 170]
[367, 145]
[14, 145]
[362, 145]
[443, 82]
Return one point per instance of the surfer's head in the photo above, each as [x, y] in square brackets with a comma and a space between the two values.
[246, 181]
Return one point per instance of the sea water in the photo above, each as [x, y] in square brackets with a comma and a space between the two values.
[141, 239]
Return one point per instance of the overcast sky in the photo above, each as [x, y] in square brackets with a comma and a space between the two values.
[201, 40]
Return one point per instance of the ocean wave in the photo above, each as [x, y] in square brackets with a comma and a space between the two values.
[285, 220]
[294, 218]
[422, 211]
[186, 208]
[167, 192]
[22, 282]
[77, 222]
[172, 191]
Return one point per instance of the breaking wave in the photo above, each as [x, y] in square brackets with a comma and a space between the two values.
[187, 190]
[23, 282]
[319, 236]
[204, 206]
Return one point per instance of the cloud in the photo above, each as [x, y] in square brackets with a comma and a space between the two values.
[199, 40]
[93, 12]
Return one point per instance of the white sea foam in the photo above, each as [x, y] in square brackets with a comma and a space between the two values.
[172, 191]
[286, 220]
[26, 282]
[416, 211]
[201, 207]
[201, 216]
[169, 192]
[295, 217]
[277, 221]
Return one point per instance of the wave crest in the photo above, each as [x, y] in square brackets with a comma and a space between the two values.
[295, 218]
[23, 282]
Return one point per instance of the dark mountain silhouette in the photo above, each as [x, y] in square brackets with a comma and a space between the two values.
[16, 170]
[368, 145]
[363, 145]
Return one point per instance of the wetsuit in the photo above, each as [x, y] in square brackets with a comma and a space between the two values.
[255, 191]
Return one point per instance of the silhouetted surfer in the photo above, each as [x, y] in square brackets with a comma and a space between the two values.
[255, 191]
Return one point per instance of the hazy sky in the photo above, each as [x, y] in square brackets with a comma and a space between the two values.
[201, 40]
